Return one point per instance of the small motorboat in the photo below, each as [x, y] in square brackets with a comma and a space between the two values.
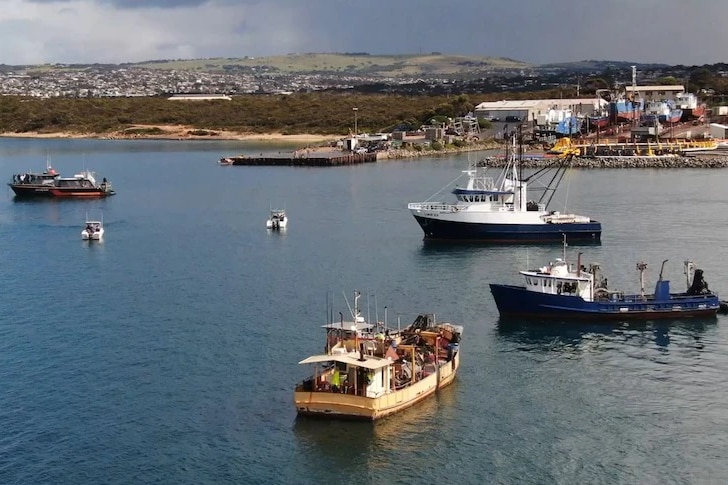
[225, 161]
[277, 220]
[93, 231]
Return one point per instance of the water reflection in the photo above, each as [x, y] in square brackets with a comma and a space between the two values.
[581, 336]
[435, 246]
[359, 443]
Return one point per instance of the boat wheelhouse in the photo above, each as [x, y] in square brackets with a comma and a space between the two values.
[82, 184]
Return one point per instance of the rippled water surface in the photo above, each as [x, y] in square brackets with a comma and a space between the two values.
[168, 353]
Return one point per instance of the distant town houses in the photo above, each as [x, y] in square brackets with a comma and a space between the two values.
[129, 82]
[124, 80]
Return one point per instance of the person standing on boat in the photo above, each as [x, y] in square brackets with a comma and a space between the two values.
[336, 380]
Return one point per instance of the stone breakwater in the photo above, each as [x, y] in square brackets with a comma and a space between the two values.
[402, 153]
[621, 162]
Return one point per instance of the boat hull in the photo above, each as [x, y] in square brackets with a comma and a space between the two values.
[43, 191]
[509, 233]
[30, 190]
[599, 121]
[674, 117]
[517, 301]
[693, 113]
[333, 405]
[276, 224]
[80, 192]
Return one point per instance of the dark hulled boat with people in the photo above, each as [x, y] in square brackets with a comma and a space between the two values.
[34, 184]
[51, 184]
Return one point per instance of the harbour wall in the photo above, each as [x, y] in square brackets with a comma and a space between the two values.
[320, 160]
[620, 162]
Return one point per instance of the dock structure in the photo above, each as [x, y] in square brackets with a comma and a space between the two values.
[634, 149]
[334, 159]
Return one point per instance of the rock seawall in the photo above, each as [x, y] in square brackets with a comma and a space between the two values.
[621, 162]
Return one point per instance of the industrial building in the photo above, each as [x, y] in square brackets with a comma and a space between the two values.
[718, 131]
[533, 110]
[655, 93]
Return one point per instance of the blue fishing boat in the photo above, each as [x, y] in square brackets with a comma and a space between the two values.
[569, 126]
[561, 290]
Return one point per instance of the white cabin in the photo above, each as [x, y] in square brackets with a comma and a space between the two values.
[559, 279]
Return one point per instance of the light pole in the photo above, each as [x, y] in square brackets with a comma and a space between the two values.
[356, 126]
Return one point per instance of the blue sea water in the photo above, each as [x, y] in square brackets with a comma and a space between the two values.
[168, 353]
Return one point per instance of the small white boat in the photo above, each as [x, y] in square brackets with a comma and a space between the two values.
[277, 220]
[94, 231]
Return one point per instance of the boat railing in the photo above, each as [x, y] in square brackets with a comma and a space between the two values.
[432, 206]
[685, 296]
[442, 207]
[619, 296]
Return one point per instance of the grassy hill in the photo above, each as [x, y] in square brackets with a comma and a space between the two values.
[433, 64]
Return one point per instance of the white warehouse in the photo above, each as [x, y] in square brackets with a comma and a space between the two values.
[533, 109]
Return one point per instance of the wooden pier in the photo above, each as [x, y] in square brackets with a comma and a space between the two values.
[334, 159]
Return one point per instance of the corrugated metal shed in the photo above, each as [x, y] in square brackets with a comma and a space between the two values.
[718, 131]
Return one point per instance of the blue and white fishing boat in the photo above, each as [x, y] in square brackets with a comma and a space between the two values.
[499, 210]
[569, 126]
[562, 291]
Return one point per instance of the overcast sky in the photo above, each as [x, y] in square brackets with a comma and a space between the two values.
[689, 32]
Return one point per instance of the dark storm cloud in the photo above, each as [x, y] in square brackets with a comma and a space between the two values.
[537, 31]
[131, 4]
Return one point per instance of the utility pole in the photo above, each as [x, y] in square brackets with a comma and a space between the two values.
[356, 126]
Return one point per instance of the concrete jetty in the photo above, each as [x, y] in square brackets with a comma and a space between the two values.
[313, 159]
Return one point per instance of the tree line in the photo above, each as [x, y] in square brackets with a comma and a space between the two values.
[297, 113]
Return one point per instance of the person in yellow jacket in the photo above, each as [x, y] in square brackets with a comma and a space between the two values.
[336, 380]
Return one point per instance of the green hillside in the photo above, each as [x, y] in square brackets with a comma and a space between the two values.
[352, 64]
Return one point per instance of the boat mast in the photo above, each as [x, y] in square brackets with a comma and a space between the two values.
[689, 273]
[642, 267]
[357, 295]
[634, 94]
[521, 194]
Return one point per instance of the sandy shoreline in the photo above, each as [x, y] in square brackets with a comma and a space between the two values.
[180, 133]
